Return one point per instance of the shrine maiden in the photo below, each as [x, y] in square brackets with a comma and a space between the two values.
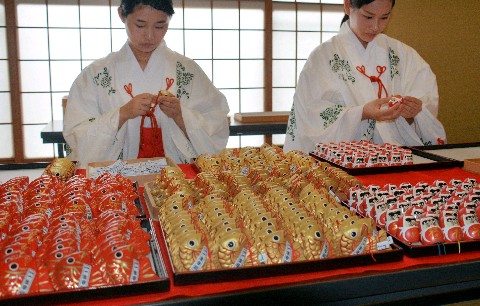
[344, 89]
[110, 96]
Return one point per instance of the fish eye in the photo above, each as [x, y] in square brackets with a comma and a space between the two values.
[70, 260]
[118, 254]
[318, 235]
[231, 244]
[353, 234]
[276, 238]
[191, 243]
[13, 266]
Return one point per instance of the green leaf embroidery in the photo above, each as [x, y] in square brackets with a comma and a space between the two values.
[104, 79]
[394, 60]
[330, 115]
[342, 68]
[426, 143]
[292, 123]
[183, 79]
[368, 135]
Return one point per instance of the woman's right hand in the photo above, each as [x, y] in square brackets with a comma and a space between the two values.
[137, 106]
[377, 111]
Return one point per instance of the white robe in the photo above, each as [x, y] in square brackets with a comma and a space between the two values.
[331, 93]
[92, 114]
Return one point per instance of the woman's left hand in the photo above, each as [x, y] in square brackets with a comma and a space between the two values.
[411, 106]
[170, 106]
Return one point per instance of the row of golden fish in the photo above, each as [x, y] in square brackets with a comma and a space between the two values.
[254, 206]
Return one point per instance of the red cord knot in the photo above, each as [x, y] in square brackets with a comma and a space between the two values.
[169, 82]
[129, 89]
[375, 79]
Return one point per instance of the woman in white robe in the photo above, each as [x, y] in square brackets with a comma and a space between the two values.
[102, 120]
[344, 87]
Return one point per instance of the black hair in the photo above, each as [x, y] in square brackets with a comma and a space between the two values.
[127, 6]
[358, 4]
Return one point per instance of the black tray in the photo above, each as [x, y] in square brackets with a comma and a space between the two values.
[437, 162]
[88, 294]
[453, 147]
[420, 250]
[272, 270]
[411, 250]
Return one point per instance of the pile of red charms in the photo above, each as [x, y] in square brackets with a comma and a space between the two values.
[423, 213]
[364, 154]
[81, 233]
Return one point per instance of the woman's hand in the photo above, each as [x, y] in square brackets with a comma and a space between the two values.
[376, 110]
[170, 106]
[411, 106]
[138, 106]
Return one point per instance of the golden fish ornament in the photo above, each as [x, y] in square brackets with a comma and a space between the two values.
[62, 168]
[274, 248]
[230, 250]
[191, 252]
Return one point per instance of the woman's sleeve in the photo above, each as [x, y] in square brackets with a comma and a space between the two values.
[320, 112]
[205, 115]
[90, 134]
[421, 82]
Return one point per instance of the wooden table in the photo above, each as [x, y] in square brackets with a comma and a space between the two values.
[53, 133]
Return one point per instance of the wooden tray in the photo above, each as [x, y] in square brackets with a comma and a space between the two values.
[472, 165]
[257, 117]
[150, 202]
[140, 179]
